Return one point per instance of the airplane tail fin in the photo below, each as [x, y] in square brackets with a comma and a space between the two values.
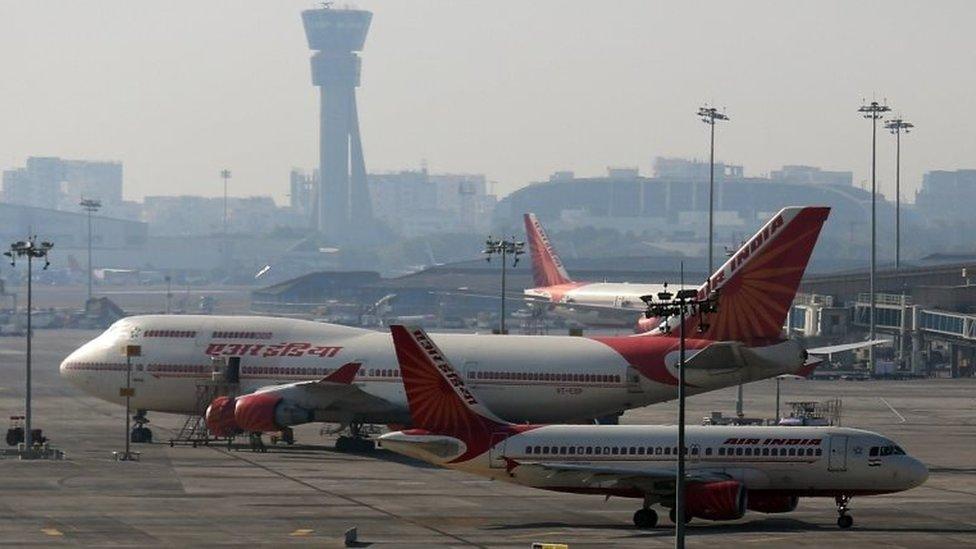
[757, 284]
[547, 268]
[436, 393]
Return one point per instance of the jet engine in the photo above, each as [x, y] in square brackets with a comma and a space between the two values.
[220, 417]
[772, 503]
[725, 500]
[269, 411]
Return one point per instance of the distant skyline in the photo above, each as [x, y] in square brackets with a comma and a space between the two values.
[515, 90]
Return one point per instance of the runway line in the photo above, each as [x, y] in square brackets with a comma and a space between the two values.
[892, 408]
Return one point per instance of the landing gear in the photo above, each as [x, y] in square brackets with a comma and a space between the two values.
[645, 518]
[140, 433]
[356, 442]
[256, 443]
[285, 436]
[674, 517]
[844, 520]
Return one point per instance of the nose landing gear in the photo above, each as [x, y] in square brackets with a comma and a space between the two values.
[140, 433]
[844, 520]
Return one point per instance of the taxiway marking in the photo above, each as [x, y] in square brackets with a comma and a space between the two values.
[901, 418]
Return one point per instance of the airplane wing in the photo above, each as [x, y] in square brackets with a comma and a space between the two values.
[334, 392]
[723, 355]
[831, 349]
[648, 481]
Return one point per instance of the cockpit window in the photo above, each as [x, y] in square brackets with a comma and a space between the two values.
[886, 450]
[873, 452]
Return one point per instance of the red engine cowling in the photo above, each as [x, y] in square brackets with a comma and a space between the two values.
[220, 417]
[725, 500]
[255, 413]
[772, 503]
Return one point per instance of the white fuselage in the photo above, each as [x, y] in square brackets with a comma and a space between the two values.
[612, 304]
[521, 378]
[803, 461]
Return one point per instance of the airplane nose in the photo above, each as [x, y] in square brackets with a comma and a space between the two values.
[918, 473]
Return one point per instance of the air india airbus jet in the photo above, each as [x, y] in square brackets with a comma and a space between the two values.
[286, 372]
[730, 469]
[612, 304]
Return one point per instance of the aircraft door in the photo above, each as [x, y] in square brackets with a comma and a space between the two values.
[633, 380]
[233, 372]
[837, 458]
[496, 454]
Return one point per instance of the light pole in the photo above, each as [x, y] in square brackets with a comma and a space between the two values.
[710, 115]
[31, 250]
[897, 126]
[91, 206]
[504, 248]
[686, 303]
[225, 175]
[873, 111]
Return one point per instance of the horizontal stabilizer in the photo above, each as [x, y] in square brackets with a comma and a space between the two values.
[344, 375]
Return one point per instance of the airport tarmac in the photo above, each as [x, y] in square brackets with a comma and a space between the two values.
[310, 495]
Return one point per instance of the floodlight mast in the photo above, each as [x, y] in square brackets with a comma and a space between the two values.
[504, 248]
[710, 115]
[91, 206]
[30, 249]
[896, 126]
[874, 112]
[683, 304]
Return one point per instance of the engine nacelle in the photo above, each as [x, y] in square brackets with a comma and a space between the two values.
[220, 419]
[772, 503]
[269, 411]
[725, 500]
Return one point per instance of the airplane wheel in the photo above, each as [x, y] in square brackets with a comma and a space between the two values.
[342, 444]
[673, 516]
[645, 518]
[845, 521]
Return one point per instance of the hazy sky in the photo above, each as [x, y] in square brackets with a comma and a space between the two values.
[516, 90]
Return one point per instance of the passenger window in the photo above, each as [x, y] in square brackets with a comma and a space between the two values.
[819, 451]
[572, 450]
[658, 450]
[667, 450]
[873, 452]
[765, 451]
[606, 450]
[528, 449]
[614, 450]
[596, 450]
[633, 450]
[721, 451]
[738, 451]
[694, 451]
[792, 451]
[748, 451]
[708, 451]
[538, 449]
[809, 451]
[589, 450]
[640, 451]
[545, 449]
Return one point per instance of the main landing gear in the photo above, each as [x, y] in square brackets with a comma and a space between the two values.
[645, 517]
[673, 516]
[844, 520]
[140, 433]
[357, 442]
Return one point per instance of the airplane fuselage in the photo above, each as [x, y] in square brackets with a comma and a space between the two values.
[522, 378]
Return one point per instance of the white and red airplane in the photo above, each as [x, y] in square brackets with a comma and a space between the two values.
[729, 469]
[287, 372]
[611, 304]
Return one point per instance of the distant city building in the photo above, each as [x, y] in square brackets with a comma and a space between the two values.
[301, 196]
[200, 215]
[415, 203]
[809, 175]
[946, 198]
[69, 229]
[56, 183]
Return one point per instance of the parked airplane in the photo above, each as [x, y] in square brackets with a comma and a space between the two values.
[283, 371]
[614, 304]
[729, 469]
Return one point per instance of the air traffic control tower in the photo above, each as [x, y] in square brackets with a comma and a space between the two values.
[343, 211]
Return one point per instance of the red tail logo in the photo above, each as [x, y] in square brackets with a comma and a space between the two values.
[547, 268]
[439, 400]
[758, 283]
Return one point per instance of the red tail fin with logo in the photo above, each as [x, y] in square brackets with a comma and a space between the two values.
[438, 398]
[547, 268]
[758, 283]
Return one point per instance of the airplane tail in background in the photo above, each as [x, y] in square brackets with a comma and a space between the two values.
[437, 396]
[547, 268]
[757, 284]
